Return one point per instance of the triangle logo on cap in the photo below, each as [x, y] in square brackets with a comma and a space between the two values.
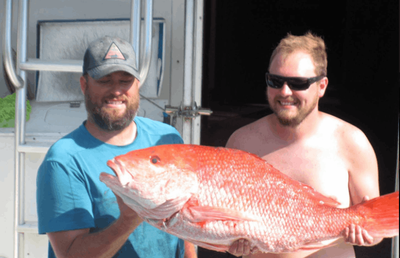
[114, 53]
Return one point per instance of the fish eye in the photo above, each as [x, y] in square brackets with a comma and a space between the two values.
[154, 159]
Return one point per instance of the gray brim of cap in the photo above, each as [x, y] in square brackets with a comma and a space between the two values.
[103, 70]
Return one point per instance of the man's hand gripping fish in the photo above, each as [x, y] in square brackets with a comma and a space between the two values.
[215, 196]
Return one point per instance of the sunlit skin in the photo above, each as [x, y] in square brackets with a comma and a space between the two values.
[292, 107]
[312, 147]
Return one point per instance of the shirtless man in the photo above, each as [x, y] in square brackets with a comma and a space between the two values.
[315, 148]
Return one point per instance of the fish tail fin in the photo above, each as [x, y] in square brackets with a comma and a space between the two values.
[381, 215]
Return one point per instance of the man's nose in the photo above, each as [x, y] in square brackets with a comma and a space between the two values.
[285, 90]
[117, 88]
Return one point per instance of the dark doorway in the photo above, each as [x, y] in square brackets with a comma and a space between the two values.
[362, 38]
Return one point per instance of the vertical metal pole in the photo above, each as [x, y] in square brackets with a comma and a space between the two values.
[11, 71]
[20, 113]
[145, 59]
[142, 60]
[8, 60]
[188, 72]
[198, 64]
[395, 240]
[135, 29]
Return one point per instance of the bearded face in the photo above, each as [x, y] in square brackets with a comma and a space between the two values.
[291, 111]
[290, 105]
[111, 112]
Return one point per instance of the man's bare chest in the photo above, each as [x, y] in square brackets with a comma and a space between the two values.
[322, 168]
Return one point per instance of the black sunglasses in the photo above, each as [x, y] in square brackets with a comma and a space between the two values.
[294, 83]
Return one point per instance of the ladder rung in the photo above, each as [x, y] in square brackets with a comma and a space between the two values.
[34, 147]
[52, 65]
[31, 228]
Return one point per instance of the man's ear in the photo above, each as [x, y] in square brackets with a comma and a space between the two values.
[83, 83]
[323, 84]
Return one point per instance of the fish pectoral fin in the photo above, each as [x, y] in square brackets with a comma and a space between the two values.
[201, 214]
[317, 245]
[215, 247]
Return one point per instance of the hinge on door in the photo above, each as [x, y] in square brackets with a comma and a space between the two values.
[186, 112]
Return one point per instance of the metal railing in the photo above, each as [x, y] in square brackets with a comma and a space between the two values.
[395, 240]
[18, 78]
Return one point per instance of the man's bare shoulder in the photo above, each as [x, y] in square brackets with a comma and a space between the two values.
[248, 134]
[344, 132]
[353, 146]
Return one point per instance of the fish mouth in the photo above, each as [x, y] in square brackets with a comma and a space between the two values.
[119, 169]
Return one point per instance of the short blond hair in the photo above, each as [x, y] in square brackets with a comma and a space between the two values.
[309, 43]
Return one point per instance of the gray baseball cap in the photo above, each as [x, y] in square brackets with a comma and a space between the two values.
[107, 55]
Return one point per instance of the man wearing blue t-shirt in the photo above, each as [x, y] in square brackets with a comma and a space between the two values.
[81, 216]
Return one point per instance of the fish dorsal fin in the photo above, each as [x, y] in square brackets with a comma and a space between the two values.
[200, 214]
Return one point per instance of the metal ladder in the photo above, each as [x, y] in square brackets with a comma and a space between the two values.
[18, 78]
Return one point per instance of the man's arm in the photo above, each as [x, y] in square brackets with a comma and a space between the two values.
[363, 181]
[81, 243]
[190, 250]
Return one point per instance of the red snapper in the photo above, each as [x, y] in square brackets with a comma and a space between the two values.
[215, 196]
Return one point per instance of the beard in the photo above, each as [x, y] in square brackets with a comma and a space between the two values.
[287, 118]
[111, 120]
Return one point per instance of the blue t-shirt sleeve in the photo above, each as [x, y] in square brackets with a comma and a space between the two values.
[169, 139]
[156, 133]
[63, 202]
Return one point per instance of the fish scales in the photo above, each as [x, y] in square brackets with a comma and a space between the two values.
[225, 194]
[252, 189]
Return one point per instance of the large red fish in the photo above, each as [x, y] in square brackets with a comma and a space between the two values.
[215, 196]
